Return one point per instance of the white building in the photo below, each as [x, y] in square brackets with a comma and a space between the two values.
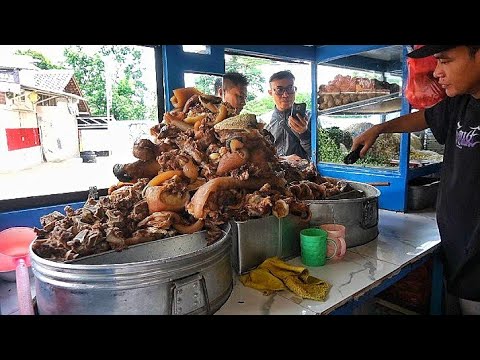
[38, 110]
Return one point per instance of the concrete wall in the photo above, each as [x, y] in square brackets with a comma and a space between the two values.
[20, 158]
[123, 134]
[94, 139]
[58, 129]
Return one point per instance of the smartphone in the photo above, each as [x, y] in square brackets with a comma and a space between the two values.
[300, 108]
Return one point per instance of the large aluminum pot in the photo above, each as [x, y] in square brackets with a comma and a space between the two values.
[177, 275]
[358, 215]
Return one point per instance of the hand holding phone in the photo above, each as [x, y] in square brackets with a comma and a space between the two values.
[300, 108]
[298, 123]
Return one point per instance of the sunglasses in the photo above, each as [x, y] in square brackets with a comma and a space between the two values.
[289, 90]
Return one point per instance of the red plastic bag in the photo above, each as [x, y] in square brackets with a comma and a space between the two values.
[423, 90]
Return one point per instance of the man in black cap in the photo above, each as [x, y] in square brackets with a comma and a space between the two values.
[455, 122]
[429, 50]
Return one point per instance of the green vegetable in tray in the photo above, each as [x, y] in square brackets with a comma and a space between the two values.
[334, 144]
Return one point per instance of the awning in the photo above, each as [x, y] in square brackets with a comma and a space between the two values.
[52, 93]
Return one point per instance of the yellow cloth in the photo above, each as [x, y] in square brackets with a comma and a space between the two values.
[274, 275]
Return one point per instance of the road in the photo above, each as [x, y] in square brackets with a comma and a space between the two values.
[54, 178]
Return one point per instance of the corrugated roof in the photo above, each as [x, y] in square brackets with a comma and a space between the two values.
[53, 80]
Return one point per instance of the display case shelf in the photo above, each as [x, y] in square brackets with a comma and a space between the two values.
[387, 60]
[383, 104]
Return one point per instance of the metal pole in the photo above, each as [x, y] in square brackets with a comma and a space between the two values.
[108, 86]
[160, 82]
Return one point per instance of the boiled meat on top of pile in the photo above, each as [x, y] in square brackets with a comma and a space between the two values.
[204, 167]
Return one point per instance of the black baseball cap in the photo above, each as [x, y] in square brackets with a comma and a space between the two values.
[428, 50]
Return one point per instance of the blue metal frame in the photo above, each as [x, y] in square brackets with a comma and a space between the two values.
[31, 217]
[176, 62]
[327, 53]
[364, 63]
[348, 308]
[436, 298]
[283, 52]
[314, 115]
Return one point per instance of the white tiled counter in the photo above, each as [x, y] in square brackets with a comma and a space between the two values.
[403, 239]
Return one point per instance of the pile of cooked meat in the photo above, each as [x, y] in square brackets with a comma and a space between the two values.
[205, 167]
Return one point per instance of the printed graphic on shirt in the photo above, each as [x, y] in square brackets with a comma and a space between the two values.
[468, 138]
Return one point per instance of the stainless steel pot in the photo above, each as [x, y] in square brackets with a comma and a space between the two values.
[359, 215]
[177, 275]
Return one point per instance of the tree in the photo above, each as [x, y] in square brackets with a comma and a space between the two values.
[259, 106]
[128, 90]
[304, 97]
[247, 66]
[266, 104]
[89, 72]
[42, 62]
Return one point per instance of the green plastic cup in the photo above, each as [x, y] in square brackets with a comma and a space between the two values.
[313, 243]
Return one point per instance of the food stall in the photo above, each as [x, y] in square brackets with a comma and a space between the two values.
[387, 254]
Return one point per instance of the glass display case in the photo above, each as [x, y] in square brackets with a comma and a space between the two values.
[352, 102]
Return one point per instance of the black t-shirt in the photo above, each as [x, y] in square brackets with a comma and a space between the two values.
[455, 122]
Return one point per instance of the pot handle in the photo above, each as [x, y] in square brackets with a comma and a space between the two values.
[369, 214]
[190, 294]
[25, 304]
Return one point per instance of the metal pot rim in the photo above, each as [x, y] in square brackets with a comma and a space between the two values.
[35, 259]
[356, 185]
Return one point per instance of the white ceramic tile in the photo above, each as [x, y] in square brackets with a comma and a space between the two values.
[394, 251]
[350, 277]
[410, 229]
[248, 301]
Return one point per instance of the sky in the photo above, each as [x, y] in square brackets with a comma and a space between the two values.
[55, 54]
[301, 72]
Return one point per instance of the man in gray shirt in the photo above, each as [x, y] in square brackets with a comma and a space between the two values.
[292, 134]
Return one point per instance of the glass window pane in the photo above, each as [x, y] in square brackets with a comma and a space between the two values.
[203, 82]
[197, 49]
[69, 105]
[258, 72]
[351, 101]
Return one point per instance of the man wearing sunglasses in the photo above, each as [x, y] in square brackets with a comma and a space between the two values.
[292, 134]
